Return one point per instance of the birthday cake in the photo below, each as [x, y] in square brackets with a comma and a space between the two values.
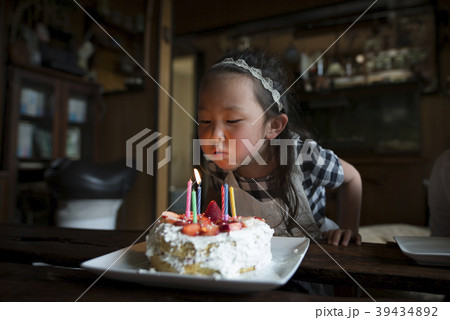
[213, 246]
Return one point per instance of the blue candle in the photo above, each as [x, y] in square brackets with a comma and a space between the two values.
[199, 199]
[226, 203]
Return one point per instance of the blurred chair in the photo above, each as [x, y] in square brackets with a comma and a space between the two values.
[439, 196]
[88, 195]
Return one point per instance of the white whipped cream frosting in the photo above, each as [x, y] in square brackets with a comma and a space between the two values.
[232, 251]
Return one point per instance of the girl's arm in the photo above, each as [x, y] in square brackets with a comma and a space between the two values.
[350, 195]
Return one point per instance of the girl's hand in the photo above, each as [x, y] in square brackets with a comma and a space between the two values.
[342, 236]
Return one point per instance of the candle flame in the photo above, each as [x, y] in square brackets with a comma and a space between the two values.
[197, 177]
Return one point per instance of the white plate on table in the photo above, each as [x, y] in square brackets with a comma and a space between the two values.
[131, 264]
[432, 251]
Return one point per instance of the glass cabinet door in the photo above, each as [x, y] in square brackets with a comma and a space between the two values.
[36, 125]
[76, 117]
[54, 118]
[79, 132]
[50, 115]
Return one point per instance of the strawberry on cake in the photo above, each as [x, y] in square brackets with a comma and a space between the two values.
[211, 247]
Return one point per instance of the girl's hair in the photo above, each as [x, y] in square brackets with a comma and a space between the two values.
[274, 68]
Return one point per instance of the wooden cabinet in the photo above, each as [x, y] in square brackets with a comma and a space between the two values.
[50, 114]
[3, 191]
[125, 35]
[394, 191]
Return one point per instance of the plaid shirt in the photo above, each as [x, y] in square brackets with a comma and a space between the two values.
[319, 173]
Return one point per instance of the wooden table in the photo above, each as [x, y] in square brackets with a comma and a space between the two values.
[373, 266]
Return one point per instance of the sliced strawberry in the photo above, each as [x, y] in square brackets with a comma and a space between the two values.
[170, 215]
[232, 226]
[192, 229]
[213, 211]
[211, 230]
[204, 221]
[181, 223]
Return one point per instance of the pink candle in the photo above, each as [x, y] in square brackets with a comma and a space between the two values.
[223, 202]
[188, 199]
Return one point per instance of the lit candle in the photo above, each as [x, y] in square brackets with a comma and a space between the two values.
[233, 204]
[226, 203]
[223, 202]
[194, 206]
[199, 190]
[188, 199]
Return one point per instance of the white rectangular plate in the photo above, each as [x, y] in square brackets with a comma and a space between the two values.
[433, 251]
[131, 264]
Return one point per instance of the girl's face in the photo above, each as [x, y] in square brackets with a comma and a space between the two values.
[232, 118]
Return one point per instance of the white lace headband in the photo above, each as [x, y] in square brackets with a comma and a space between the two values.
[266, 82]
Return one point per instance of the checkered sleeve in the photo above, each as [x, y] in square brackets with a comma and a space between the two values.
[321, 167]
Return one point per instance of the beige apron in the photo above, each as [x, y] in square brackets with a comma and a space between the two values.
[273, 211]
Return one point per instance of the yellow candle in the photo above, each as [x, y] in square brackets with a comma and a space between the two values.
[233, 205]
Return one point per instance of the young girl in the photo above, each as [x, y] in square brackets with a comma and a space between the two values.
[276, 172]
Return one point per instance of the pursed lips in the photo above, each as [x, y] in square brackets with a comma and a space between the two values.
[219, 152]
[215, 152]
